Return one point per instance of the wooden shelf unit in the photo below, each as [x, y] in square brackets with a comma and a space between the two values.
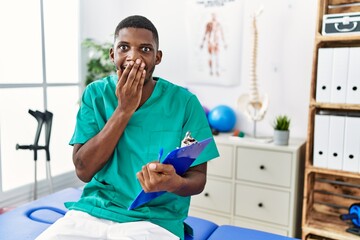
[329, 190]
[328, 193]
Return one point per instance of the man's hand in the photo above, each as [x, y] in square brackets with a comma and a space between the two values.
[156, 177]
[130, 85]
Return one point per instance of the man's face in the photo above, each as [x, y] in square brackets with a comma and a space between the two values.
[132, 44]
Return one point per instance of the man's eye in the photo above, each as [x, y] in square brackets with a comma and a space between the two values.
[123, 47]
[146, 49]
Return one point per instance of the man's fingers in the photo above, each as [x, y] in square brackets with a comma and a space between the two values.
[161, 168]
[117, 93]
[123, 77]
[145, 178]
[142, 80]
[155, 176]
[133, 76]
[139, 81]
[140, 176]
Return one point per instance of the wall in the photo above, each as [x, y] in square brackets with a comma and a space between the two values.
[286, 36]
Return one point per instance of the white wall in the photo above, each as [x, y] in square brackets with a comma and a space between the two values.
[286, 37]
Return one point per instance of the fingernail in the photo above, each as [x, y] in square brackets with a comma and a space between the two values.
[138, 61]
[152, 166]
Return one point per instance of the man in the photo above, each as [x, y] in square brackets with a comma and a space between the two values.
[123, 122]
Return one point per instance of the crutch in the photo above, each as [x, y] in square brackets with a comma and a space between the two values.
[41, 118]
[48, 116]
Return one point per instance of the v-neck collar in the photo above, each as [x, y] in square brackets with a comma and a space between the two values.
[156, 94]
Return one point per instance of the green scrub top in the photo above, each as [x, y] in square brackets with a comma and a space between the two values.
[161, 122]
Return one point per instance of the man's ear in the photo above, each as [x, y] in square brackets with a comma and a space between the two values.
[111, 54]
[158, 57]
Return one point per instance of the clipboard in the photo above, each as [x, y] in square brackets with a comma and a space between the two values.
[181, 159]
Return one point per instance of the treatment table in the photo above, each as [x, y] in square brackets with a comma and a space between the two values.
[26, 222]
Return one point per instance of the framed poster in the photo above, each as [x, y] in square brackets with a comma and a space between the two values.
[214, 41]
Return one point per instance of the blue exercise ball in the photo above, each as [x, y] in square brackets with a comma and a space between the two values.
[222, 118]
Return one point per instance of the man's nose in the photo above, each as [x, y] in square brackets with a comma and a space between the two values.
[133, 54]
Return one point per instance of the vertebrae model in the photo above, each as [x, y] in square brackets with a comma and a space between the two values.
[251, 104]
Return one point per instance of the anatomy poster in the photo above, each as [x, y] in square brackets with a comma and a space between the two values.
[214, 37]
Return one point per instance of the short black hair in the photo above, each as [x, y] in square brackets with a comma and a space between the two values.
[137, 21]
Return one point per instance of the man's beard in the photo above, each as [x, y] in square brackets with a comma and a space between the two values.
[148, 79]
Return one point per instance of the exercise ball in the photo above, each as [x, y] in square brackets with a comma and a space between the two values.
[222, 118]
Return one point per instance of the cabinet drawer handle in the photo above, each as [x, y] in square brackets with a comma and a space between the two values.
[260, 205]
[206, 194]
[262, 167]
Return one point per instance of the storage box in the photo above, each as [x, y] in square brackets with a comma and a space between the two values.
[339, 24]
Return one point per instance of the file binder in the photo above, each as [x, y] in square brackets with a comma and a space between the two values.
[336, 142]
[324, 74]
[339, 75]
[181, 159]
[352, 144]
[321, 140]
[353, 81]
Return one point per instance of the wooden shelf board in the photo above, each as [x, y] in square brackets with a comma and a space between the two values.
[327, 225]
[337, 38]
[312, 169]
[335, 106]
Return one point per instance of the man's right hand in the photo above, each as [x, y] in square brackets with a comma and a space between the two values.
[130, 85]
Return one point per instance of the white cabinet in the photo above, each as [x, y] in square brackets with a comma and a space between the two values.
[254, 185]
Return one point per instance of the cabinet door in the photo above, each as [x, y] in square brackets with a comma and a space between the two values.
[216, 196]
[262, 204]
[263, 166]
[222, 166]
